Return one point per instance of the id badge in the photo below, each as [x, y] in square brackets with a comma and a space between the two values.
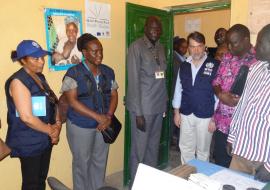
[159, 75]
[38, 106]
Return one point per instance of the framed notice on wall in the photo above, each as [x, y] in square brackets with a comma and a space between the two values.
[259, 15]
[63, 27]
[192, 25]
[98, 19]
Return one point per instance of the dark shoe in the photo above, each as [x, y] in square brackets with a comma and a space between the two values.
[55, 184]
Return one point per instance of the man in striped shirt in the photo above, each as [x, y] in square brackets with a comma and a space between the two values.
[249, 134]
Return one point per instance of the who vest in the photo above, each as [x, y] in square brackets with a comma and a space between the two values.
[198, 98]
[23, 140]
[95, 97]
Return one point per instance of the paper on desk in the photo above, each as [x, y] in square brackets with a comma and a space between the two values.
[149, 178]
[239, 181]
[204, 181]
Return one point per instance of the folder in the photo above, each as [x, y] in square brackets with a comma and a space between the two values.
[240, 80]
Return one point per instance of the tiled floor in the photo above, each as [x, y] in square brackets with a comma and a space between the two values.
[116, 179]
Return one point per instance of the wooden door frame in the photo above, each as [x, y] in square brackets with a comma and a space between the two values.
[201, 7]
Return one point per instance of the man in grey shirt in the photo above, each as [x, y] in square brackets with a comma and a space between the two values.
[147, 94]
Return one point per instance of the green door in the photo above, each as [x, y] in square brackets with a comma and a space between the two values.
[135, 20]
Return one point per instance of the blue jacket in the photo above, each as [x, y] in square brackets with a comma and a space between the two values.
[97, 98]
[23, 140]
[198, 98]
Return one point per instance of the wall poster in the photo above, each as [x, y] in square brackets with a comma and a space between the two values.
[63, 27]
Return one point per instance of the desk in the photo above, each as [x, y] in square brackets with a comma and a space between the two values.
[151, 178]
[213, 171]
[206, 168]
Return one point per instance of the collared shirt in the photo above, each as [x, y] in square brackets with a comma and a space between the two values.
[250, 126]
[146, 94]
[178, 86]
[182, 58]
[226, 74]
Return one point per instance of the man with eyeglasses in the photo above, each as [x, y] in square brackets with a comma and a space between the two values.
[194, 100]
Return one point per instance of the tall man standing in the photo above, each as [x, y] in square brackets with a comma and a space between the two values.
[194, 100]
[146, 94]
[250, 127]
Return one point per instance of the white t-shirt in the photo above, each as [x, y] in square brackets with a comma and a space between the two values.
[74, 52]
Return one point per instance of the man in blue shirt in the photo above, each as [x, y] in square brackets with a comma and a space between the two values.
[194, 100]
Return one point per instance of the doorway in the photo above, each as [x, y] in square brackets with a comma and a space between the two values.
[206, 22]
[135, 17]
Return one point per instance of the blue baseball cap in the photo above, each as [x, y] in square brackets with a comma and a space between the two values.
[29, 48]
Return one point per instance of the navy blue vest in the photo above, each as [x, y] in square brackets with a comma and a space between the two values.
[198, 98]
[23, 140]
[97, 100]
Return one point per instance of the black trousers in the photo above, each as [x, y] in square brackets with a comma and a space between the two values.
[220, 153]
[35, 170]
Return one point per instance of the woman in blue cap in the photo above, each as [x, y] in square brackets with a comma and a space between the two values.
[33, 119]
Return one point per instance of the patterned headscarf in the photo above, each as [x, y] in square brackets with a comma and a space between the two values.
[70, 19]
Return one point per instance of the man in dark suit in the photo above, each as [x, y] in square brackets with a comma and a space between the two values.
[180, 50]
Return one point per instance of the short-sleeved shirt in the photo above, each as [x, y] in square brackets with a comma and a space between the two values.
[226, 75]
[69, 84]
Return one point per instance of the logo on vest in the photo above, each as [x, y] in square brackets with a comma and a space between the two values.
[208, 68]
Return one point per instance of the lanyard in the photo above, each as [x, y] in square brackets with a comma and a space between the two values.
[154, 53]
[95, 77]
[99, 91]
[45, 88]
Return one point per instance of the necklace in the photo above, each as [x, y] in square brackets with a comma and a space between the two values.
[154, 53]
